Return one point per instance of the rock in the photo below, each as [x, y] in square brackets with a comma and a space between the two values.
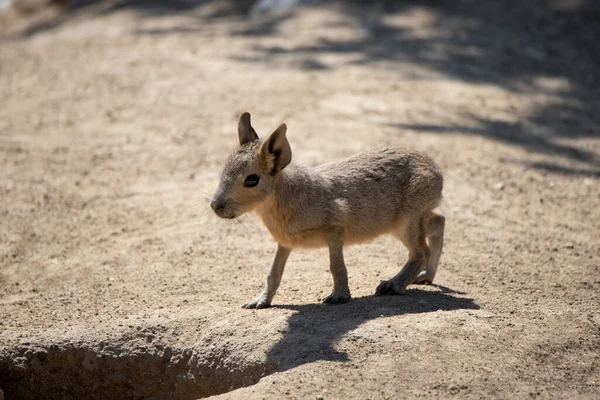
[499, 186]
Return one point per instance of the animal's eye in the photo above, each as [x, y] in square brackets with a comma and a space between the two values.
[251, 180]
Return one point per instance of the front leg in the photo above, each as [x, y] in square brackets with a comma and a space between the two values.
[341, 291]
[264, 299]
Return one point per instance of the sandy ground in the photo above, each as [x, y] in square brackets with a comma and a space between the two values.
[116, 280]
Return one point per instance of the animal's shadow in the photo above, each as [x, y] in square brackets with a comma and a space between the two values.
[314, 329]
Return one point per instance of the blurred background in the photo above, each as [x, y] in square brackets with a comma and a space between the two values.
[543, 55]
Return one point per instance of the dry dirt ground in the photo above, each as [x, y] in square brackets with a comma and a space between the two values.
[116, 280]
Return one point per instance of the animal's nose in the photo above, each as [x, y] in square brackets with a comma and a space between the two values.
[217, 205]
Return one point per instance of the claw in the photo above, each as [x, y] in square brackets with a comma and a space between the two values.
[423, 279]
[257, 303]
[336, 298]
[387, 288]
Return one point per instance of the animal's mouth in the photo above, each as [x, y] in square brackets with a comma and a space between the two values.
[225, 215]
[225, 211]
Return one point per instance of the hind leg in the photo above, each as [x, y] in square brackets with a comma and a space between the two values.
[435, 236]
[413, 237]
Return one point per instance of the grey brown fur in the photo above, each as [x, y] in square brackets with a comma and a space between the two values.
[382, 191]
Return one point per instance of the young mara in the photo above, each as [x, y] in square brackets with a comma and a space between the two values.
[384, 190]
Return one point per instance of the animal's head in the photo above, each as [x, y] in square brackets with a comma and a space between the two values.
[251, 171]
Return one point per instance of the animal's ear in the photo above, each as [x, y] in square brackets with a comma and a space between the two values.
[276, 151]
[246, 132]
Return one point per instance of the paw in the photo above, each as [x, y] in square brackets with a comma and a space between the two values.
[259, 302]
[423, 279]
[389, 288]
[342, 296]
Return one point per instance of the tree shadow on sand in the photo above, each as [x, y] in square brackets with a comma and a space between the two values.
[313, 331]
[543, 48]
[203, 12]
[515, 45]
